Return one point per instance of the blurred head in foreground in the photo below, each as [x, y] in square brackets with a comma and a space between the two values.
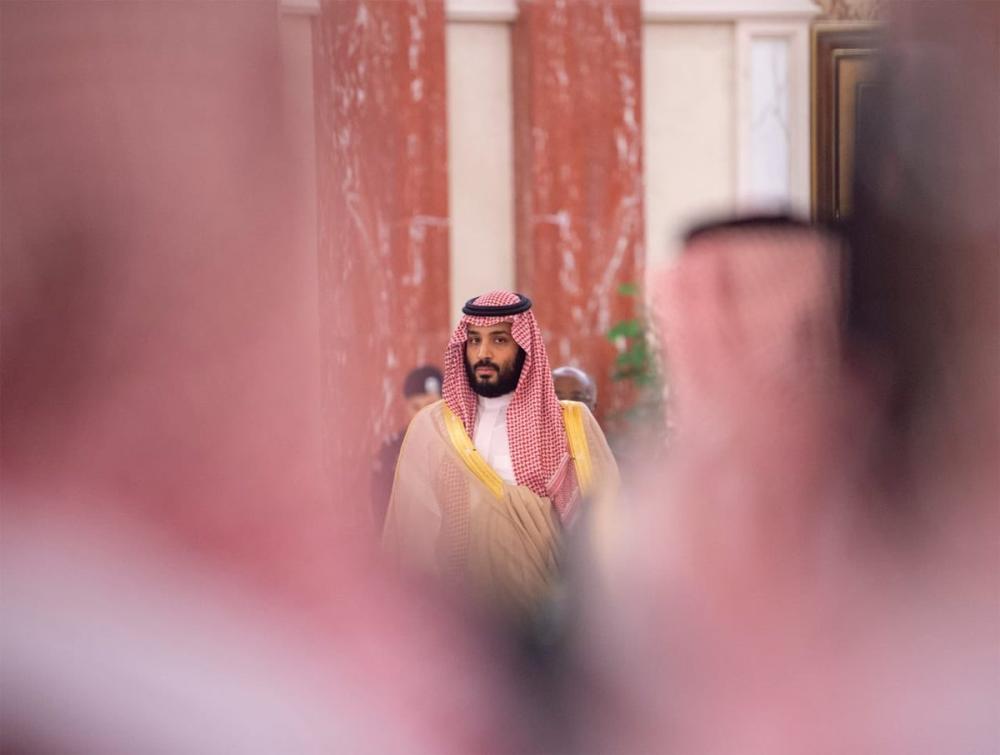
[815, 568]
[175, 579]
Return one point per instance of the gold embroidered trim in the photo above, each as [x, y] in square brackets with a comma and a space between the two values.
[573, 420]
[472, 458]
[578, 448]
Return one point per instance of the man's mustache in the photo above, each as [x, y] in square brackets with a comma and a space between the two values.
[485, 363]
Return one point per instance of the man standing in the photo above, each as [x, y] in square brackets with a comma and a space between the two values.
[489, 476]
[573, 384]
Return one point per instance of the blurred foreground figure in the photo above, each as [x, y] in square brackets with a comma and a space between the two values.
[489, 477]
[816, 569]
[422, 387]
[174, 576]
[573, 384]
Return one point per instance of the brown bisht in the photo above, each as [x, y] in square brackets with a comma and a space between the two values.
[451, 515]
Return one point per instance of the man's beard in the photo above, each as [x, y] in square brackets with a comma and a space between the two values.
[507, 377]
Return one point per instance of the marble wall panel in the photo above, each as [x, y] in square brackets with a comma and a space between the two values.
[578, 174]
[382, 218]
[480, 159]
[769, 179]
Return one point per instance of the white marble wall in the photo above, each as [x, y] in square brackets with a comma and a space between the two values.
[768, 179]
[772, 59]
[480, 158]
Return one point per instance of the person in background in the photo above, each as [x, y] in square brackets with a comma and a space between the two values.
[490, 477]
[421, 388]
[573, 384]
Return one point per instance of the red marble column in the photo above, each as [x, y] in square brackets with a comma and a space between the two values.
[383, 219]
[578, 175]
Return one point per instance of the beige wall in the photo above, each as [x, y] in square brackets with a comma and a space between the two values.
[689, 141]
[480, 159]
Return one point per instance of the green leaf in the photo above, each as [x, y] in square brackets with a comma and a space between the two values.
[623, 374]
[639, 347]
[628, 289]
[625, 329]
[633, 357]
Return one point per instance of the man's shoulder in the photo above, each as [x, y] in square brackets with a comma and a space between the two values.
[430, 411]
[428, 417]
[578, 412]
[575, 407]
[422, 428]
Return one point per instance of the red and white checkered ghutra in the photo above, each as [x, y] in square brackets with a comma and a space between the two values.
[535, 431]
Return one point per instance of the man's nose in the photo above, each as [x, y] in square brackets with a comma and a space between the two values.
[484, 352]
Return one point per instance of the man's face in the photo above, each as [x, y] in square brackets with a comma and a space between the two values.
[570, 387]
[493, 360]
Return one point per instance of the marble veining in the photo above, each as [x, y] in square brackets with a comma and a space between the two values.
[382, 209]
[770, 143]
[578, 143]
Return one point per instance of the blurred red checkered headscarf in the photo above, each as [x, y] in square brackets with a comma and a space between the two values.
[538, 447]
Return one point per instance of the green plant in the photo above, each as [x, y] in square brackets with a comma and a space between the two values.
[635, 360]
[637, 363]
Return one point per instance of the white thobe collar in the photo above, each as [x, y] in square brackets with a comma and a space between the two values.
[490, 435]
[485, 404]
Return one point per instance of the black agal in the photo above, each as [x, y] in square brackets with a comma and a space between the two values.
[501, 310]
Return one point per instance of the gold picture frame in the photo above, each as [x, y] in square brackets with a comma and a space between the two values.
[844, 61]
